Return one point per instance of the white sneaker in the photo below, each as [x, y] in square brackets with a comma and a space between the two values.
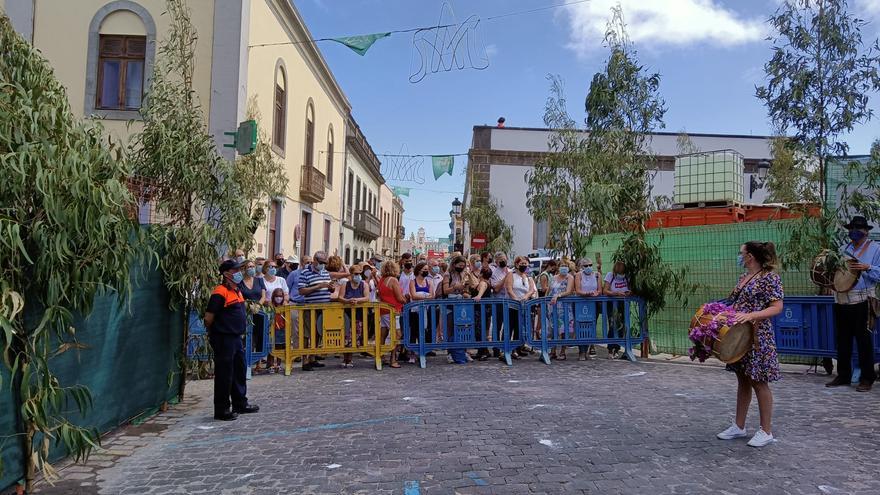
[761, 439]
[449, 358]
[732, 432]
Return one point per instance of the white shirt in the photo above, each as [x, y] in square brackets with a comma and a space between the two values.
[278, 283]
[436, 281]
[498, 275]
[616, 283]
[405, 281]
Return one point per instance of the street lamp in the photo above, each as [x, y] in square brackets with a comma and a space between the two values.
[456, 207]
[755, 184]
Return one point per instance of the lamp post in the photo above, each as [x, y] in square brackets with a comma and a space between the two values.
[456, 213]
[755, 184]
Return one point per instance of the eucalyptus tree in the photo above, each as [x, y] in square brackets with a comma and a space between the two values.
[67, 234]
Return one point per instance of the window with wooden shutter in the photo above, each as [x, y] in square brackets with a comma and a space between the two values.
[330, 157]
[310, 136]
[120, 72]
[279, 117]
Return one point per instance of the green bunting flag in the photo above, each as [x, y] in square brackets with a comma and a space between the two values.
[442, 164]
[400, 191]
[361, 43]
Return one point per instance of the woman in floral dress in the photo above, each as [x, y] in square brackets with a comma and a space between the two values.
[756, 298]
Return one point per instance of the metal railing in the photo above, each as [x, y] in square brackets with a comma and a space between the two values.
[312, 187]
[367, 225]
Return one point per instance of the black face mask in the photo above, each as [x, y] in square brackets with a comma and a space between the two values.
[407, 265]
[424, 274]
[502, 264]
[294, 266]
[522, 268]
[459, 269]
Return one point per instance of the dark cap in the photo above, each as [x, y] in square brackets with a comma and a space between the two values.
[376, 257]
[229, 265]
[858, 222]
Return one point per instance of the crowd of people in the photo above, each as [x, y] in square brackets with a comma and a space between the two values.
[325, 279]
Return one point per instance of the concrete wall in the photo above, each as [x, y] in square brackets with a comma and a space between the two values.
[68, 54]
[270, 23]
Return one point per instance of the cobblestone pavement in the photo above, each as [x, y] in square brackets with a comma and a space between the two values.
[572, 427]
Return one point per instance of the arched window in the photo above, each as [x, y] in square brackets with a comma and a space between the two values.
[347, 254]
[119, 62]
[310, 135]
[279, 115]
[330, 155]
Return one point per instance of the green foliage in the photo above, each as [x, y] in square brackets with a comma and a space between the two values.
[258, 177]
[597, 182]
[819, 78]
[176, 155]
[483, 218]
[65, 235]
[860, 192]
[792, 178]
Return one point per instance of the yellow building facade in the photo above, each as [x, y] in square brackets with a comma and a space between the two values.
[249, 52]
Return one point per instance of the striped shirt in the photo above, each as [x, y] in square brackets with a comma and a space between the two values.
[309, 277]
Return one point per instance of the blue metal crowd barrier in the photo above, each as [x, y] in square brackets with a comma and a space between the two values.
[806, 328]
[575, 321]
[197, 348]
[449, 324]
[197, 344]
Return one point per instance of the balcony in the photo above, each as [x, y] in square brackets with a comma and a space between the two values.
[367, 225]
[401, 232]
[311, 189]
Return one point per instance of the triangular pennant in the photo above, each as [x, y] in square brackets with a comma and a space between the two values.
[361, 43]
[400, 191]
[442, 164]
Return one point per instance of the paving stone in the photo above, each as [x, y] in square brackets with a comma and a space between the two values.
[571, 427]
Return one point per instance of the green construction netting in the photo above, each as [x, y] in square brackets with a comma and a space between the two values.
[132, 351]
[709, 253]
[10, 447]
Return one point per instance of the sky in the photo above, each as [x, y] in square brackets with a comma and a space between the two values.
[709, 53]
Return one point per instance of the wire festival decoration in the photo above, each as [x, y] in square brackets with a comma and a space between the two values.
[403, 167]
[447, 47]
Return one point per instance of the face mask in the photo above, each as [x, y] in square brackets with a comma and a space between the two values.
[459, 269]
[239, 259]
[478, 265]
[356, 278]
[378, 266]
[588, 270]
[435, 269]
[321, 267]
[523, 268]
[279, 300]
[740, 261]
[408, 266]
[563, 270]
[856, 235]
[502, 264]
[251, 272]
[279, 261]
[272, 272]
[295, 266]
[424, 274]
[237, 277]
[368, 273]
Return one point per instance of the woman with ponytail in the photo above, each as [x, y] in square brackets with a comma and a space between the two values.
[756, 299]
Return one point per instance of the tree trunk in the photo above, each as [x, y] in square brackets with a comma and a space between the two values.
[183, 360]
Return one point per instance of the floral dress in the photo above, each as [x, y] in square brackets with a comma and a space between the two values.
[761, 364]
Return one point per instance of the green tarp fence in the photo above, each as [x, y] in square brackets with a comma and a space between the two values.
[129, 364]
[709, 253]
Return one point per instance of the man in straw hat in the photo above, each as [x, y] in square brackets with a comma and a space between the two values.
[851, 308]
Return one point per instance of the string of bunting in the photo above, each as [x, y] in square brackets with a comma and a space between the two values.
[361, 43]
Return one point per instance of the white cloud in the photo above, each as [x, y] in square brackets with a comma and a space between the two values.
[870, 6]
[491, 50]
[663, 22]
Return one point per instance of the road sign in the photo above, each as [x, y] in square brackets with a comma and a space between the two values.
[478, 241]
[244, 140]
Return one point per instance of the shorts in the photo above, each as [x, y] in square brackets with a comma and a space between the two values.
[386, 321]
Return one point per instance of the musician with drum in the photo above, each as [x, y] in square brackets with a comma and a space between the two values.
[851, 307]
[756, 299]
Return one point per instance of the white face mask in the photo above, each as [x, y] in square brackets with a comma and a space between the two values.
[279, 300]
